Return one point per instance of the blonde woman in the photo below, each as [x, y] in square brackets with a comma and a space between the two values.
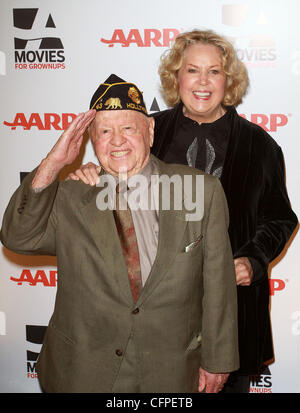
[203, 81]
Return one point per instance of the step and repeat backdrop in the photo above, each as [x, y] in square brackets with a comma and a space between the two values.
[53, 55]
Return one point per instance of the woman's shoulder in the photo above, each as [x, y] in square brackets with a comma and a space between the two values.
[164, 114]
[261, 136]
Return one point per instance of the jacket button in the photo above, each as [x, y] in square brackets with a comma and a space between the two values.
[136, 311]
[119, 352]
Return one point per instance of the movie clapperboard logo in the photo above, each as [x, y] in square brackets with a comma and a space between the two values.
[34, 335]
[38, 48]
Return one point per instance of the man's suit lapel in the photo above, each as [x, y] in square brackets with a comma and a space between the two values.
[172, 226]
[102, 227]
[171, 230]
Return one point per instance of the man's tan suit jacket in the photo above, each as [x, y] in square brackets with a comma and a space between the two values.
[184, 318]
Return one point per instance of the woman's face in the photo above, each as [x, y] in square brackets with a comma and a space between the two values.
[202, 83]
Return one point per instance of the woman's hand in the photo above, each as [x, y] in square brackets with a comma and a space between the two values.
[243, 271]
[88, 173]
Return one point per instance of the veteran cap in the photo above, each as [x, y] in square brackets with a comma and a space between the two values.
[116, 94]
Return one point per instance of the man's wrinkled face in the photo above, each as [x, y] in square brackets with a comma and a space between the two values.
[122, 140]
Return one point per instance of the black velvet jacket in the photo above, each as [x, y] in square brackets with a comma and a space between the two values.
[261, 220]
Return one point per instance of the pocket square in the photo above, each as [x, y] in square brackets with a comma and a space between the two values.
[193, 244]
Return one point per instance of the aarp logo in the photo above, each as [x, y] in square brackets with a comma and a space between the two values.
[269, 122]
[36, 277]
[276, 285]
[45, 121]
[141, 38]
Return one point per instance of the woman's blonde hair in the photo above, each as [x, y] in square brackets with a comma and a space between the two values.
[236, 73]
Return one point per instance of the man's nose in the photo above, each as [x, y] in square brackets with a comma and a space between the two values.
[117, 138]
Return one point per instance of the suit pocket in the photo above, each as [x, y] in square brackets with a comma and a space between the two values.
[195, 343]
[193, 245]
[58, 361]
[194, 252]
[60, 334]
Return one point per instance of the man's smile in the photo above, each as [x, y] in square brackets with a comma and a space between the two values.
[120, 154]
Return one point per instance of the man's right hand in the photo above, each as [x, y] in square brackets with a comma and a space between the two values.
[211, 382]
[64, 152]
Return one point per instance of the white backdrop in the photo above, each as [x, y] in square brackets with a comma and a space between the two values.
[52, 58]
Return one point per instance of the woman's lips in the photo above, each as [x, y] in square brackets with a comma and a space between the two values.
[202, 95]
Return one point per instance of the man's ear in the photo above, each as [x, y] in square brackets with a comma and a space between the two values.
[151, 130]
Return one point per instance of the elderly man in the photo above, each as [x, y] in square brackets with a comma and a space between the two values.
[146, 299]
